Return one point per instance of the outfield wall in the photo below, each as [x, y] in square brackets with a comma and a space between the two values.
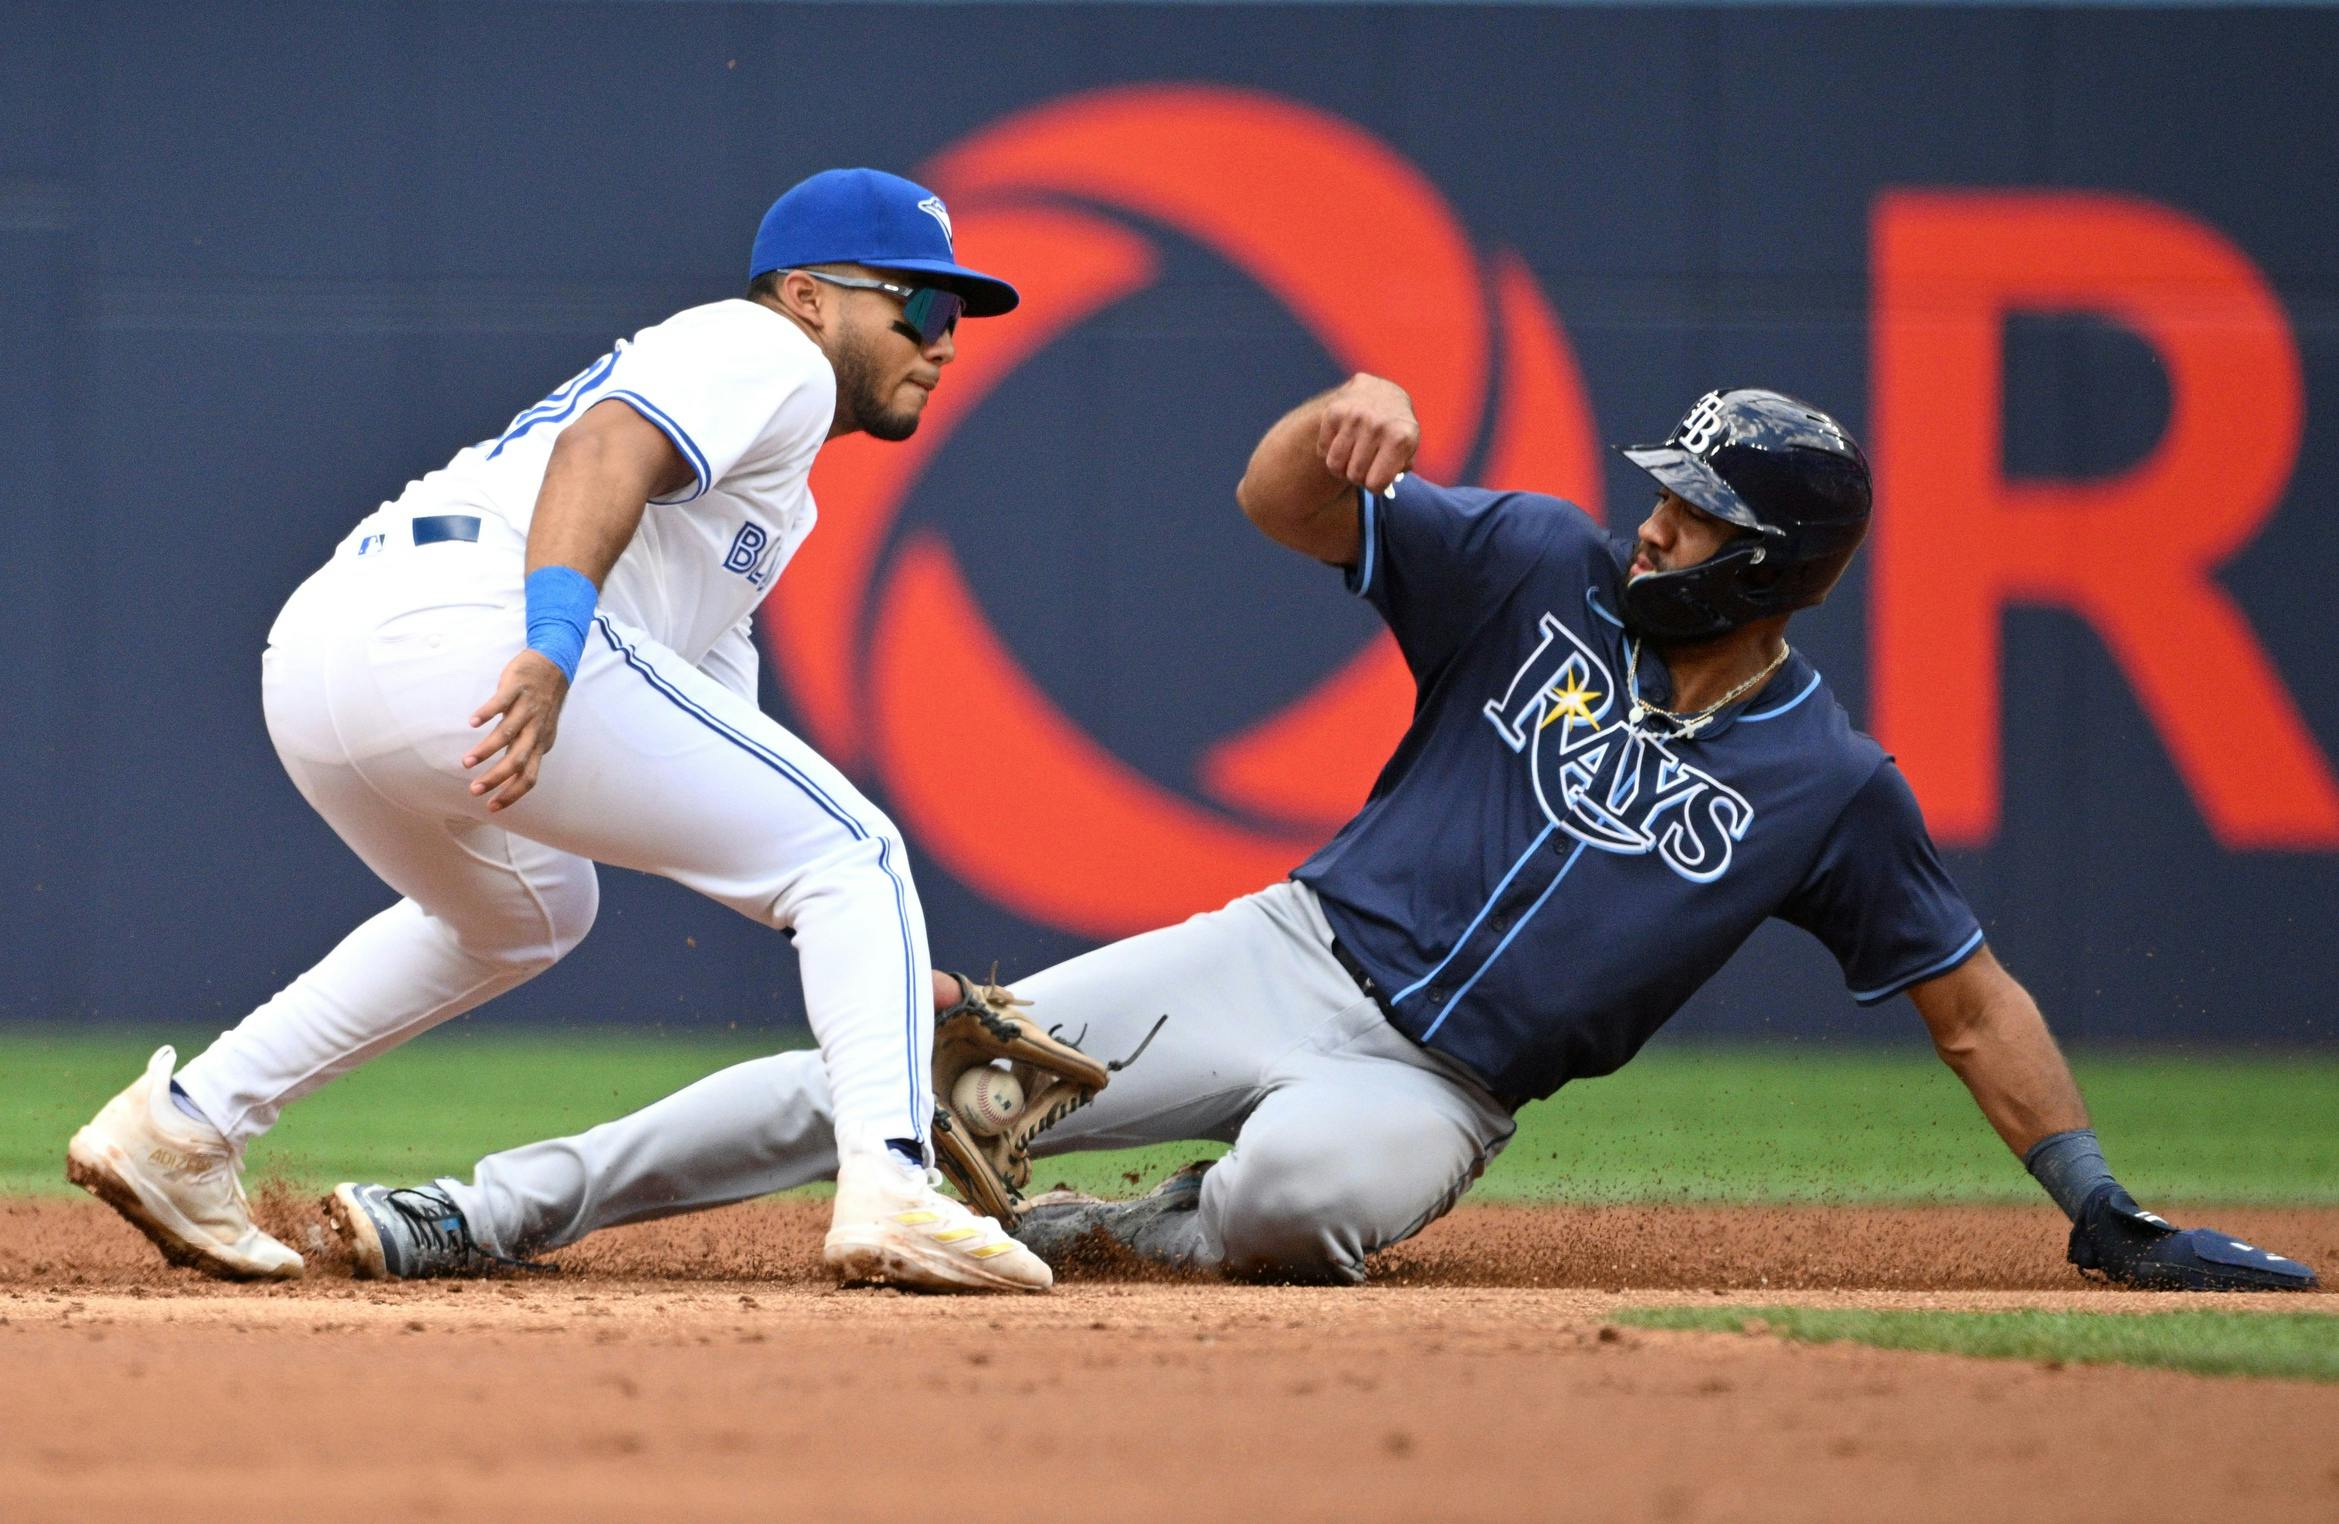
[2067, 271]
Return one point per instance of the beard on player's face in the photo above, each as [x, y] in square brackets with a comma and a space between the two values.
[870, 376]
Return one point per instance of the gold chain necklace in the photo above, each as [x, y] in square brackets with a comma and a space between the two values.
[1685, 726]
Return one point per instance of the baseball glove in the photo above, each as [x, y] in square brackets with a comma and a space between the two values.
[987, 1025]
[2118, 1240]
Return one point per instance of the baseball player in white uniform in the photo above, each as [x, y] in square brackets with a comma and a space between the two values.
[589, 576]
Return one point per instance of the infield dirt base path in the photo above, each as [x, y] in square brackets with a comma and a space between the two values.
[701, 1368]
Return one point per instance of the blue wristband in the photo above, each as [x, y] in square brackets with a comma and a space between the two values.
[560, 605]
[2071, 1167]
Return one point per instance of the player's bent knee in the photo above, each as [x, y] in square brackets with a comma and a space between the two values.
[1291, 1254]
[525, 941]
[1295, 1228]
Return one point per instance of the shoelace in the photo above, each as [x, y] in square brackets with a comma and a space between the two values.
[434, 1220]
[442, 1228]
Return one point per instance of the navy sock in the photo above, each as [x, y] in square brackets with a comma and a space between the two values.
[908, 1151]
[2071, 1166]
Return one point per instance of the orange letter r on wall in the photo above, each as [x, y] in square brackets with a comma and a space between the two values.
[2135, 555]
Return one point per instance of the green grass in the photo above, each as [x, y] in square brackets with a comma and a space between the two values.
[2297, 1346]
[1808, 1123]
[429, 1109]
[1782, 1123]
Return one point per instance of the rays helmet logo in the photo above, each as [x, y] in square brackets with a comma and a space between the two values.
[1606, 783]
[1701, 430]
[1069, 198]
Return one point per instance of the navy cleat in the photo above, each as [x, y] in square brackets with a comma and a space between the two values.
[2115, 1239]
[406, 1233]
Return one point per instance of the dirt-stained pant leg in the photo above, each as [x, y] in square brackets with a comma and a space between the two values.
[1361, 1142]
[1347, 1136]
[759, 1127]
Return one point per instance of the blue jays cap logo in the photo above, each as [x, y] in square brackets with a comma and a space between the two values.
[932, 206]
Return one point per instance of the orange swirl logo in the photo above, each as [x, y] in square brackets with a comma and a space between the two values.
[999, 784]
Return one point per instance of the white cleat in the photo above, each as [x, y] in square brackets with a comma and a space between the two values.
[893, 1226]
[175, 1179]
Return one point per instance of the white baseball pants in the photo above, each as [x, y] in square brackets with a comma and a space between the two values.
[1347, 1135]
[369, 682]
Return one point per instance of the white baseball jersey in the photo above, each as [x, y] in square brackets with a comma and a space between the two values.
[664, 765]
[747, 400]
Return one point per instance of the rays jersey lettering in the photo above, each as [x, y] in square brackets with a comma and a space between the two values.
[1605, 782]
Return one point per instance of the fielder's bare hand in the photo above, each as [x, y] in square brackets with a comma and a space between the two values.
[1368, 434]
[528, 698]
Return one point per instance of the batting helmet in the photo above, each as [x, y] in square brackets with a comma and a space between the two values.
[1779, 469]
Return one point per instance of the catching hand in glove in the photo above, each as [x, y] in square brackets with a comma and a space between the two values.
[989, 1158]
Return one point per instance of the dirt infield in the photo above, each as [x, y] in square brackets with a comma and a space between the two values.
[703, 1368]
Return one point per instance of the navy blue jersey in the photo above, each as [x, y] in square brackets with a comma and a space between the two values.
[1536, 884]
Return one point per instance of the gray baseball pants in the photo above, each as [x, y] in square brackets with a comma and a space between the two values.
[1347, 1136]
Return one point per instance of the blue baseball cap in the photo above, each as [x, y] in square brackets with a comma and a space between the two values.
[868, 217]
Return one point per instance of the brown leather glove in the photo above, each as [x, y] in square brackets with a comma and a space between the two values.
[986, 1026]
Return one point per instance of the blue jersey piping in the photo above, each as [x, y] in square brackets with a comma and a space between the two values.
[1809, 688]
[573, 393]
[1463, 940]
[1870, 997]
[691, 453]
[1472, 982]
[1369, 517]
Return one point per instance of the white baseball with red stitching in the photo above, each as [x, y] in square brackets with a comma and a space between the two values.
[988, 1098]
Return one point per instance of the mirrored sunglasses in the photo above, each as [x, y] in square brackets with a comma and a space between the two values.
[927, 312]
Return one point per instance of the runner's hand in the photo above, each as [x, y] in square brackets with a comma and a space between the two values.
[1368, 434]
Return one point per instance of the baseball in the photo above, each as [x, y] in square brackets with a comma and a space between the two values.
[987, 1098]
